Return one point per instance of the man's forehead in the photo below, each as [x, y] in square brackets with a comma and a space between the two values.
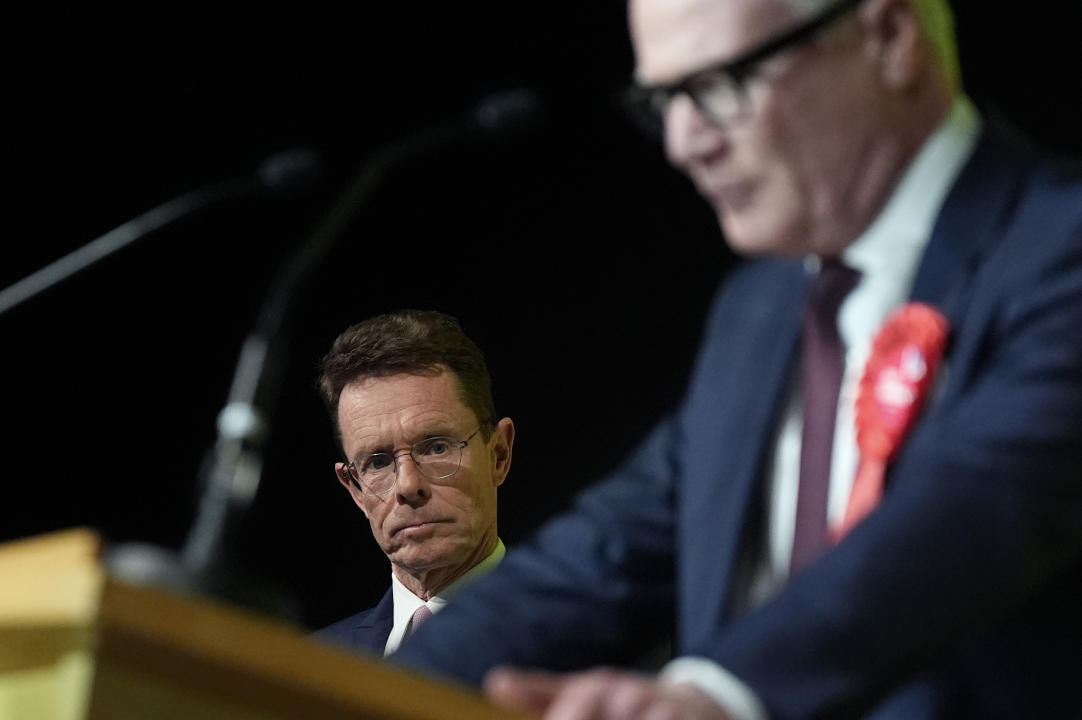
[390, 394]
[673, 38]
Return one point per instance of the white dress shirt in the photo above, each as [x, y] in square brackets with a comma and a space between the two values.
[887, 255]
[406, 603]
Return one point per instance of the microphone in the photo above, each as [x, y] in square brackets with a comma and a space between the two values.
[232, 468]
[510, 111]
[284, 172]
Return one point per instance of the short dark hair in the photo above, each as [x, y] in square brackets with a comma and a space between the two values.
[412, 342]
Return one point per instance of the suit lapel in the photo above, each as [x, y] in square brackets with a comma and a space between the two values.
[744, 378]
[374, 628]
[964, 230]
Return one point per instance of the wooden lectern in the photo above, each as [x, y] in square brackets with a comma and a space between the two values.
[76, 643]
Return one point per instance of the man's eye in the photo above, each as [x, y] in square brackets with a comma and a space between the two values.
[435, 447]
[376, 462]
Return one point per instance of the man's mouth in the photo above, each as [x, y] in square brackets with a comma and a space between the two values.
[417, 525]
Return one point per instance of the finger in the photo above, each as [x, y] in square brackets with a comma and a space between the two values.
[615, 695]
[629, 698]
[582, 697]
[531, 690]
[603, 694]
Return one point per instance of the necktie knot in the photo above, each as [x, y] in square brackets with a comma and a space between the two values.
[829, 288]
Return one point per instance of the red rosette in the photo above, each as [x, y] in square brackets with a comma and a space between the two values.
[897, 378]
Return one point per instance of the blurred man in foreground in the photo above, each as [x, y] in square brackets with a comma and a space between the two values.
[869, 503]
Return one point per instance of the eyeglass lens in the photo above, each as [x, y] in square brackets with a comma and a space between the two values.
[435, 458]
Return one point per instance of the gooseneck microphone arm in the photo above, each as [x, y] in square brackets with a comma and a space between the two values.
[119, 238]
[282, 171]
[232, 470]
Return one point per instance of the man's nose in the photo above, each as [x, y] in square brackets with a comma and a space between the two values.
[411, 483]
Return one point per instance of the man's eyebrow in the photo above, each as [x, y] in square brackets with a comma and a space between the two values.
[441, 430]
[370, 449]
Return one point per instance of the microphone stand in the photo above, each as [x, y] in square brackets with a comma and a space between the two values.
[233, 466]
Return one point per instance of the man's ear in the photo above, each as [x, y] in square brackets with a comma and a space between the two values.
[504, 441]
[350, 485]
[898, 41]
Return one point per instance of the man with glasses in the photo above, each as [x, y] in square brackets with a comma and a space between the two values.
[940, 575]
[411, 398]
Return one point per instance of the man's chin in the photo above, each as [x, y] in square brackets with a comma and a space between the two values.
[424, 555]
[748, 244]
[748, 238]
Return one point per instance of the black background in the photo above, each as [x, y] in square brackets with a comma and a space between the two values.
[573, 255]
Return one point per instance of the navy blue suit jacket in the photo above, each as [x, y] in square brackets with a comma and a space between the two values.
[365, 632]
[959, 597]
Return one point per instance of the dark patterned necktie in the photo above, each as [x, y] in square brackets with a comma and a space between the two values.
[823, 363]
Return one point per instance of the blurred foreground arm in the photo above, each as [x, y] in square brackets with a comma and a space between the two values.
[602, 694]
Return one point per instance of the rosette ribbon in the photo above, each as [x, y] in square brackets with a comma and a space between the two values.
[897, 379]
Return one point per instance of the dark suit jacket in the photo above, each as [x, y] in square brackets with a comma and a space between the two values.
[959, 597]
[365, 632]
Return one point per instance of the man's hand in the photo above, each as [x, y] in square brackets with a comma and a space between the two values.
[602, 694]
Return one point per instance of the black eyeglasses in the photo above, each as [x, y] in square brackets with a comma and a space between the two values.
[719, 91]
[437, 458]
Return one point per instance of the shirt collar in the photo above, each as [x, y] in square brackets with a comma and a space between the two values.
[405, 602]
[902, 229]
